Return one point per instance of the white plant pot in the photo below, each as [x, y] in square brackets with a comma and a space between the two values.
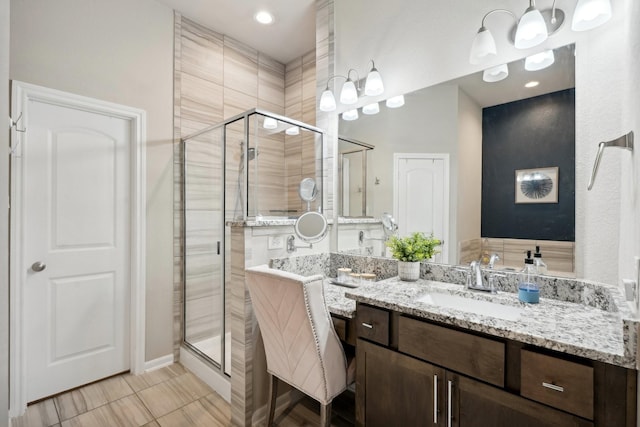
[409, 271]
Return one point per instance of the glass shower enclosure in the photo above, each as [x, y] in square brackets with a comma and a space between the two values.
[246, 168]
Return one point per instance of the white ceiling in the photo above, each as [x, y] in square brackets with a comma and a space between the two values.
[559, 76]
[291, 35]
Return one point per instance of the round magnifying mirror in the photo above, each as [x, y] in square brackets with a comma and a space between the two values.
[308, 190]
[311, 227]
[388, 224]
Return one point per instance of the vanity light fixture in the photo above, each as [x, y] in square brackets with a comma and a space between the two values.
[371, 109]
[270, 123]
[539, 61]
[350, 115]
[349, 93]
[531, 84]
[531, 29]
[264, 17]
[293, 130]
[373, 85]
[590, 14]
[351, 88]
[495, 74]
[395, 101]
[535, 26]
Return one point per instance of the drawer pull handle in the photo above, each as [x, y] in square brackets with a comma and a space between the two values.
[553, 387]
[449, 405]
[435, 399]
[367, 325]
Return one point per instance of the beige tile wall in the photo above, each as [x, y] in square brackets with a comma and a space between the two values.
[215, 78]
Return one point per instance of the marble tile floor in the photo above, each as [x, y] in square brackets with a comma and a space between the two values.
[167, 397]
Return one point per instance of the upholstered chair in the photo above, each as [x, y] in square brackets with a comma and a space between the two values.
[301, 345]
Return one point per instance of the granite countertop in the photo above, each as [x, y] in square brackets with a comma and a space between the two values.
[336, 300]
[608, 335]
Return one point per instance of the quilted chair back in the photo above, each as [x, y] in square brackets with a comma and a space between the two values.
[301, 346]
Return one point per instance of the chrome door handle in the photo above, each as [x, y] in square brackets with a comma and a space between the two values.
[38, 266]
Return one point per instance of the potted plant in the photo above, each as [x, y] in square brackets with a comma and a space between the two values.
[409, 251]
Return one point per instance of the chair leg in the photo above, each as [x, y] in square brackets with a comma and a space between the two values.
[273, 393]
[325, 415]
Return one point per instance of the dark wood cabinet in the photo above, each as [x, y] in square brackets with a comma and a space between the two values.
[434, 375]
[475, 404]
[396, 390]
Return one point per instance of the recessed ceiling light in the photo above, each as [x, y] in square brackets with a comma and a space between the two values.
[532, 84]
[264, 17]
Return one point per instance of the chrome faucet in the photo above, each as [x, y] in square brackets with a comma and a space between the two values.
[494, 257]
[476, 280]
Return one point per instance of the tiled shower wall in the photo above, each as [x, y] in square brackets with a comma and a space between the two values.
[216, 77]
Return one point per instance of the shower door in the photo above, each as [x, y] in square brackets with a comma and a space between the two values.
[203, 193]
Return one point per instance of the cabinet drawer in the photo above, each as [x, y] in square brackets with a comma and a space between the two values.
[479, 357]
[373, 324]
[559, 383]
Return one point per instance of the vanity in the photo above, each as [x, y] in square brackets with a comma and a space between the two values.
[434, 353]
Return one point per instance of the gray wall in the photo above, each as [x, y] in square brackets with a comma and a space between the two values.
[120, 51]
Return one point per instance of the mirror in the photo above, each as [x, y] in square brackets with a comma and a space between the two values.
[455, 117]
[352, 171]
[308, 191]
[311, 227]
[389, 224]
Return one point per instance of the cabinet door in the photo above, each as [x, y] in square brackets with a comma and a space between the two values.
[396, 390]
[475, 404]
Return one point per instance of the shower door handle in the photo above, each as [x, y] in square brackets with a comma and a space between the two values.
[218, 245]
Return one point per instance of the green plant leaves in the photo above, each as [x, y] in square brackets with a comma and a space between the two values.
[416, 247]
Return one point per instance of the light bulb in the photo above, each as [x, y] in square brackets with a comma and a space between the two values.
[483, 47]
[539, 61]
[350, 115]
[371, 109]
[349, 94]
[590, 14]
[395, 102]
[327, 101]
[532, 30]
[373, 86]
[495, 74]
[270, 123]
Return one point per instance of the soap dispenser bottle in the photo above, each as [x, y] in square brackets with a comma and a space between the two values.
[528, 290]
[541, 266]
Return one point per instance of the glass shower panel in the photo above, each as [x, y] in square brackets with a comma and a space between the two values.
[203, 240]
[285, 153]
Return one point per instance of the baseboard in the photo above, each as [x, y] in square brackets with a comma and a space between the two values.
[283, 401]
[158, 363]
[219, 382]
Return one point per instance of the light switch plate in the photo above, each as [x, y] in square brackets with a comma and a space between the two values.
[275, 242]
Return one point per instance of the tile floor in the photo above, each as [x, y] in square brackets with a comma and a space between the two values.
[167, 397]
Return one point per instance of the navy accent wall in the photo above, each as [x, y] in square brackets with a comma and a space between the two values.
[527, 134]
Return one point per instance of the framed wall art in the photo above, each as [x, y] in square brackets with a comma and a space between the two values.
[538, 185]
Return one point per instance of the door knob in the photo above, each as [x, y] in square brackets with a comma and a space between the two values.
[38, 266]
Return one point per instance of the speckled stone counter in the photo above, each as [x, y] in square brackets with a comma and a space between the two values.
[604, 332]
[337, 302]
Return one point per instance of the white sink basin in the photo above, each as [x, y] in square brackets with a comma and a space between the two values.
[483, 308]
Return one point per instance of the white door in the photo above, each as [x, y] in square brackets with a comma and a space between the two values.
[76, 216]
[421, 196]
